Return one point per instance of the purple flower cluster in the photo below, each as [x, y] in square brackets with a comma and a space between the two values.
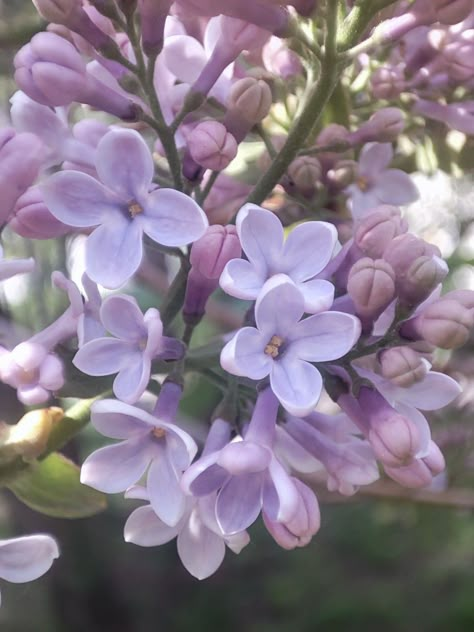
[340, 299]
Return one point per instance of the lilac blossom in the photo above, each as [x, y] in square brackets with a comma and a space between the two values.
[137, 340]
[26, 558]
[11, 267]
[376, 184]
[283, 346]
[305, 253]
[148, 442]
[247, 474]
[123, 205]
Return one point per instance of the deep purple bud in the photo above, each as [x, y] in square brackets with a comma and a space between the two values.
[211, 253]
[402, 365]
[305, 174]
[153, 14]
[378, 229]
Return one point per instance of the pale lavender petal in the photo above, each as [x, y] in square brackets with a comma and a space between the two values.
[180, 446]
[172, 218]
[27, 558]
[124, 163]
[325, 336]
[279, 307]
[103, 356]
[144, 528]
[51, 373]
[297, 385]
[114, 252]
[239, 502]
[241, 279]
[241, 457]
[77, 199]
[363, 201]
[308, 249]
[290, 451]
[204, 476]
[318, 295]
[117, 420]
[201, 550]
[166, 496]
[185, 57]
[261, 235]
[15, 266]
[154, 327]
[30, 395]
[244, 354]
[375, 158]
[133, 378]
[280, 494]
[122, 317]
[435, 391]
[396, 187]
[114, 468]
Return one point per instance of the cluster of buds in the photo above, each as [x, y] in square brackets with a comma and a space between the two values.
[339, 296]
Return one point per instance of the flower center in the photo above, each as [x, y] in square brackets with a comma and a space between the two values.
[134, 208]
[362, 183]
[159, 433]
[273, 347]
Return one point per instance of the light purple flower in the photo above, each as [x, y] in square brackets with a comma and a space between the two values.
[303, 255]
[123, 206]
[283, 346]
[148, 442]
[11, 267]
[376, 184]
[138, 339]
[247, 474]
[27, 558]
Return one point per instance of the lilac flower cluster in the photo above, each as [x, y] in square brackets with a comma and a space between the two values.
[341, 299]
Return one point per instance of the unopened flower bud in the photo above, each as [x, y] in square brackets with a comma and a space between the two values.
[451, 11]
[211, 253]
[251, 99]
[424, 274]
[420, 473]
[394, 438]
[383, 127]
[33, 220]
[371, 285]
[211, 145]
[342, 174]
[305, 173]
[388, 82]
[402, 365]
[378, 229]
[459, 56]
[404, 250]
[445, 324]
[29, 437]
[298, 531]
[58, 11]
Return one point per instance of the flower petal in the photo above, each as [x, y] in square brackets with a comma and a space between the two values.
[308, 249]
[244, 354]
[77, 199]
[396, 187]
[184, 57]
[122, 317]
[201, 550]
[435, 391]
[144, 528]
[279, 307]
[318, 295]
[132, 379]
[280, 495]
[204, 476]
[239, 502]
[117, 420]
[261, 235]
[242, 457]
[124, 163]
[114, 252]
[103, 356]
[172, 218]
[297, 385]
[114, 468]
[422, 426]
[27, 558]
[325, 336]
[166, 496]
[375, 158]
[241, 279]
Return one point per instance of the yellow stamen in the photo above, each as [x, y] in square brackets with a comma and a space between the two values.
[159, 433]
[273, 347]
[362, 183]
[134, 209]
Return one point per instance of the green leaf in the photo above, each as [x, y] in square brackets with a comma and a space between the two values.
[52, 487]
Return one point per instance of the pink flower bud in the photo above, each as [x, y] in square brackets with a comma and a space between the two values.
[394, 438]
[459, 56]
[371, 285]
[305, 173]
[342, 174]
[251, 99]
[211, 253]
[153, 14]
[445, 324]
[465, 297]
[383, 127]
[378, 229]
[279, 59]
[421, 278]
[388, 82]
[404, 250]
[298, 531]
[32, 219]
[332, 134]
[58, 11]
[402, 365]
[419, 473]
[225, 199]
[211, 145]
[451, 11]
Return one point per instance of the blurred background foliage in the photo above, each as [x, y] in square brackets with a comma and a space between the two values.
[379, 563]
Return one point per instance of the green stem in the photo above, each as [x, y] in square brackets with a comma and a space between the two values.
[203, 193]
[175, 297]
